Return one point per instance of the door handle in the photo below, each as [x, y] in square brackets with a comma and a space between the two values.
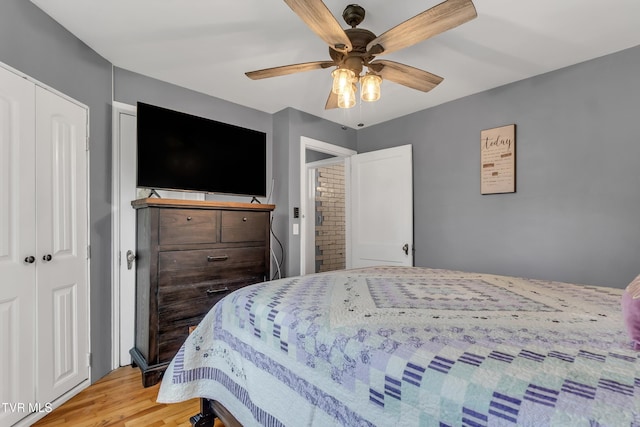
[405, 248]
[130, 258]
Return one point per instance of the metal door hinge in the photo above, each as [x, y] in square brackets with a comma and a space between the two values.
[88, 251]
[89, 360]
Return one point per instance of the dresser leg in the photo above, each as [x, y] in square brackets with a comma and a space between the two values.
[151, 375]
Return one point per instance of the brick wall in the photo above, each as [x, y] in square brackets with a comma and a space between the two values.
[330, 218]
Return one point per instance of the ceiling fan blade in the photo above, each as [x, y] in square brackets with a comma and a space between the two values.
[332, 101]
[317, 16]
[440, 18]
[288, 69]
[406, 75]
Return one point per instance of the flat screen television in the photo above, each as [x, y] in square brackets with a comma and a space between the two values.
[179, 151]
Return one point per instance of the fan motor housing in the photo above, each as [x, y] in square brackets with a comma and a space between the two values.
[359, 38]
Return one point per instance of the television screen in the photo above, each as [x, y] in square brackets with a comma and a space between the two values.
[179, 151]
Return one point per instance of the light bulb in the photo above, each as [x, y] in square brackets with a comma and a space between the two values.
[342, 80]
[370, 87]
[348, 97]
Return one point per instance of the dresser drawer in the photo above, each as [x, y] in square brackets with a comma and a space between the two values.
[188, 226]
[196, 300]
[180, 311]
[244, 226]
[210, 262]
[192, 286]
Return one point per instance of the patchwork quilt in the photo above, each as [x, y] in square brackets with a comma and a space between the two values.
[397, 346]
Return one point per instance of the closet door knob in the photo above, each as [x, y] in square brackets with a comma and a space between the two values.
[30, 259]
[46, 257]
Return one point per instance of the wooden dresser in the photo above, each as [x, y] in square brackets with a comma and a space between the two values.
[190, 254]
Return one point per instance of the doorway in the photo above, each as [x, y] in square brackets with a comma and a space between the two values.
[329, 192]
[324, 237]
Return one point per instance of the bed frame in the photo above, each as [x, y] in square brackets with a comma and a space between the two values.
[209, 411]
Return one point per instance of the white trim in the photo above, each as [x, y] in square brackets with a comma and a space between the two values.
[117, 109]
[88, 231]
[322, 147]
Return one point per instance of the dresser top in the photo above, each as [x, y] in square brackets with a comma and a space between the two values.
[199, 204]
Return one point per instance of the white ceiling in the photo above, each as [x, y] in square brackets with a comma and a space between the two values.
[207, 45]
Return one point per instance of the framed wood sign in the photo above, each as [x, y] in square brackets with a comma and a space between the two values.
[498, 160]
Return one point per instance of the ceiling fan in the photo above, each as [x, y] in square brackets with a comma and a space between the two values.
[355, 48]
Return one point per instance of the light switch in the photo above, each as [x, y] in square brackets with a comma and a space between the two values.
[296, 229]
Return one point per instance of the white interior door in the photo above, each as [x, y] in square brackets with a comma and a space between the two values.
[61, 225]
[127, 236]
[17, 243]
[382, 208]
[124, 229]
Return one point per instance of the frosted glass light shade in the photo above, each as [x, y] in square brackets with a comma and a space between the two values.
[348, 97]
[342, 80]
[370, 87]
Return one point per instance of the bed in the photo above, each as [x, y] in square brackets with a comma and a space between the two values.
[399, 346]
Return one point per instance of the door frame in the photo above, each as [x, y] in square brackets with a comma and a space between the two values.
[307, 143]
[117, 109]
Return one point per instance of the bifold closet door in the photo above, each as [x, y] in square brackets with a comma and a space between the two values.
[17, 243]
[61, 224]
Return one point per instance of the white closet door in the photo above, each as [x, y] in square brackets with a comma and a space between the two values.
[61, 183]
[17, 243]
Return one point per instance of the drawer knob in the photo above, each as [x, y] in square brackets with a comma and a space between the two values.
[217, 291]
[244, 219]
[189, 218]
[211, 258]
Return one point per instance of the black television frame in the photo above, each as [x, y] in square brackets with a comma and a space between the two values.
[183, 152]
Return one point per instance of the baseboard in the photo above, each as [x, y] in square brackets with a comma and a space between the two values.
[32, 418]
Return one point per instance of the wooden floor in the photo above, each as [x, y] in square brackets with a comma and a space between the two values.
[119, 399]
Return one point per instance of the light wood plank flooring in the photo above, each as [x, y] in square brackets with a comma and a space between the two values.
[119, 399]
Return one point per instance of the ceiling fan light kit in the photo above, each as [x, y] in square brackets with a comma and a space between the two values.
[353, 49]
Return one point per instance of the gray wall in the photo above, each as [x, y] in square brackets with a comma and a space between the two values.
[34, 44]
[575, 215]
[289, 126]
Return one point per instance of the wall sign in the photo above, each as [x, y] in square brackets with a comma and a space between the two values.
[498, 160]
